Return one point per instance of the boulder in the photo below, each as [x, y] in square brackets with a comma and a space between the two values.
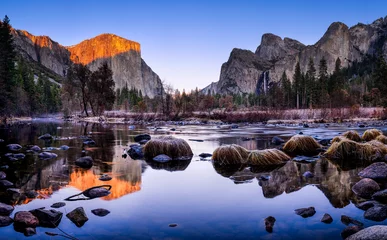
[14, 147]
[31, 194]
[376, 171]
[325, 141]
[366, 205]
[143, 142]
[205, 155]
[24, 219]
[380, 196]
[375, 232]
[5, 209]
[5, 184]
[46, 136]
[305, 212]
[19, 156]
[326, 218]
[48, 218]
[5, 221]
[347, 220]
[2, 175]
[376, 213]
[84, 162]
[13, 193]
[36, 148]
[269, 224]
[100, 212]
[78, 216]
[141, 137]
[47, 155]
[96, 192]
[350, 230]
[58, 205]
[105, 177]
[162, 158]
[365, 188]
[135, 152]
[64, 147]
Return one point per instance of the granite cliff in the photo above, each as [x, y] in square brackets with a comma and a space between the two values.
[249, 72]
[123, 57]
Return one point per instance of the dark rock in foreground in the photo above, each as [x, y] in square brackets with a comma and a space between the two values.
[366, 205]
[350, 230]
[97, 192]
[162, 158]
[84, 162]
[375, 232]
[141, 137]
[5, 209]
[5, 221]
[326, 218]
[78, 216]
[100, 212]
[47, 155]
[377, 213]
[58, 205]
[347, 220]
[135, 152]
[376, 171]
[269, 224]
[380, 196]
[365, 188]
[5, 184]
[48, 218]
[25, 219]
[305, 212]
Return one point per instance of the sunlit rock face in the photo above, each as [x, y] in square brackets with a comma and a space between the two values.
[123, 57]
[242, 72]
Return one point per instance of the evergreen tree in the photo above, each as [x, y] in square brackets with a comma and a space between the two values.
[101, 90]
[286, 89]
[322, 80]
[311, 84]
[297, 79]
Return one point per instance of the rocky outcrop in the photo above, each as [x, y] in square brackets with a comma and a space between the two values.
[246, 72]
[123, 57]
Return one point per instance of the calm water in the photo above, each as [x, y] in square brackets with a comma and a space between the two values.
[206, 202]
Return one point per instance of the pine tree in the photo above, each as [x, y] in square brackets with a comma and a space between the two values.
[322, 79]
[297, 79]
[311, 83]
[101, 90]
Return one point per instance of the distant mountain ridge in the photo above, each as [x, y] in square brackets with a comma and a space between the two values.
[123, 57]
[249, 72]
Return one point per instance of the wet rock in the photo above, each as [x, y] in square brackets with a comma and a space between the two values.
[350, 230]
[84, 162]
[376, 213]
[234, 126]
[375, 232]
[105, 177]
[300, 133]
[247, 139]
[100, 212]
[97, 192]
[19, 156]
[5, 221]
[48, 218]
[269, 224]
[306, 125]
[36, 148]
[348, 220]
[78, 216]
[376, 171]
[5, 209]
[325, 141]
[29, 231]
[31, 194]
[305, 212]
[173, 129]
[366, 205]
[64, 147]
[264, 178]
[326, 218]
[47, 155]
[308, 174]
[89, 142]
[2, 175]
[361, 126]
[162, 158]
[13, 193]
[143, 142]
[5, 184]
[365, 188]
[14, 147]
[380, 196]
[24, 219]
[141, 137]
[205, 155]
[135, 152]
[306, 159]
[58, 205]
[46, 136]
[172, 225]
[196, 140]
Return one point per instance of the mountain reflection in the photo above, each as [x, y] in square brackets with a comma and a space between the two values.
[329, 178]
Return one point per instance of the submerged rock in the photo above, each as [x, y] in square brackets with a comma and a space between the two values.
[365, 188]
[376, 213]
[172, 225]
[58, 205]
[5, 221]
[101, 212]
[306, 159]
[141, 137]
[14, 147]
[78, 216]
[305, 212]
[326, 218]
[325, 141]
[366, 205]
[47, 155]
[375, 232]
[97, 192]
[350, 230]
[84, 162]
[347, 220]
[376, 171]
[48, 218]
[24, 219]
[269, 223]
[380, 196]
[19, 156]
[5, 209]
[162, 158]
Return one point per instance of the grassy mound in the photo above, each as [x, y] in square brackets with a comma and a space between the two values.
[371, 134]
[230, 154]
[351, 150]
[267, 157]
[301, 144]
[379, 145]
[352, 135]
[338, 139]
[173, 147]
[382, 139]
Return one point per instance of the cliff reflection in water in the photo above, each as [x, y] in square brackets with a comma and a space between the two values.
[330, 179]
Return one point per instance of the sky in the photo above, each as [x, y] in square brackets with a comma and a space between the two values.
[186, 42]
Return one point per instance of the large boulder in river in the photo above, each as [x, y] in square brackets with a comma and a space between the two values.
[5, 209]
[377, 213]
[375, 232]
[365, 188]
[84, 162]
[5, 221]
[376, 171]
[380, 196]
[78, 216]
[96, 192]
[24, 219]
[48, 218]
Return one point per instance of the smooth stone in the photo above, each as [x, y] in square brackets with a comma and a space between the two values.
[84, 162]
[97, 192]
[64, 147]
[36, 148]
[308, 174]
[5, 209]
[31, 194]
[143, 142]
[5, 221]
[350, 230]
[376, 213]
[5, 184]
[172, 225]
[100, 212]
[19, 155]
[29, 231]
[13, 193]
[135, 152]
[365, 188]
[141, 137]
[366, 205]
[24, 219]
[47, 155]
[277, 140]
[380, 196]
[376, 171]
[205, 155]
[78, 216]
[105, 177]
[347, 220]
[48, 218]
[162, 158]
[58, 205]
[14, 147]
[3, 175]
[46, 136]
[326, 218]
[305, 212]
[378, 232]
[269, 223]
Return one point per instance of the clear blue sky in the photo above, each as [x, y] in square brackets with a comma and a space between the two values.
[185, 42]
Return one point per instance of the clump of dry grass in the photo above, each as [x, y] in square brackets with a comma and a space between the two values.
[267, 157]
[371, 134]
[351, 150]
[352, 135]
[301, 144]
[230, 154]
[382, 139]
[379, 145]
[173, 147]
[338, 139]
